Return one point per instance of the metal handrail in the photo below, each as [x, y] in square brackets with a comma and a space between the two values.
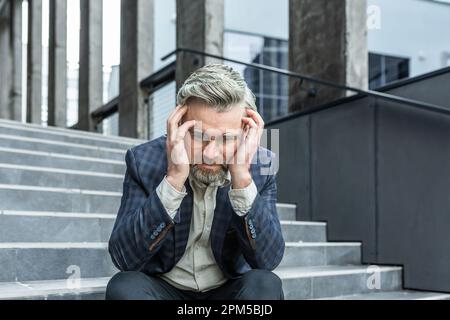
[370, 93]
[167, 73]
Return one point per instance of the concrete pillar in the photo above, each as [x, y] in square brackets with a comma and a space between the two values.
[57, 65]
[5, 61]
[11, 61]
[327, 40]
[200, 25]
[15, 104]
[34, 62]
[91, 66]
[136, 63]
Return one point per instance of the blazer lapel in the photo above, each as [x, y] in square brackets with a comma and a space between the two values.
[183, 225]
[221, 220]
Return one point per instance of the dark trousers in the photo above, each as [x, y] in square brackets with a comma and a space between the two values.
[256, 284]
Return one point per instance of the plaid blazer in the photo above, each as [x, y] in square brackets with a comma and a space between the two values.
[145, 238]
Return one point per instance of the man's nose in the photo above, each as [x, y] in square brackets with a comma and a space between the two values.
[210, 152]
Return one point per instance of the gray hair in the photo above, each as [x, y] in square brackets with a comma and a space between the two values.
[219, 86]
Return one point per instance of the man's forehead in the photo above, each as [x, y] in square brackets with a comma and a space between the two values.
[217, 123]
[214, 131]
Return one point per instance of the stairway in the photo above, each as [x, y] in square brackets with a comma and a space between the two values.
[60, 190]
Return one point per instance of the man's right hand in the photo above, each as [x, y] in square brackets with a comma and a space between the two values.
[177, 156]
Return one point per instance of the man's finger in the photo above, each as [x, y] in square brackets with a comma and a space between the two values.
[256, 117]
[173, 123]
[259, 121]
[250, 122]
[182, 130]
[169, 118]
[174, 111]
[253, 133]
[178, 114]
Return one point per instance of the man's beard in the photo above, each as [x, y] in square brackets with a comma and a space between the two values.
[209, 176]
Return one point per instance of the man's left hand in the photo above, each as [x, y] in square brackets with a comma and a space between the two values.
[250, 140]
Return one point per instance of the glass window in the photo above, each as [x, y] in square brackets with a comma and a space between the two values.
[385, 69]
[270, 89]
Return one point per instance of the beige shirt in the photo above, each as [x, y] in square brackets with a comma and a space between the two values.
[197, 269]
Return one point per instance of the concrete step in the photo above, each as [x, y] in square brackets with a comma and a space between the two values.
[321, 253]
[85, 289]
[71, 132]
[31, 198]
[41, 226]
[59, 178]
[94, 289]
[32, 261]
[298, 283]
[54, 199]
[286, 211]
[73, 136]
[331, 281]
[24, 261]
[60, 160]
[306, 231]
[396, 295]
[11, 141]
[30, 226]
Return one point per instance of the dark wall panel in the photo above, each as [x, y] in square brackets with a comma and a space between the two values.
[414, 194]
[379, 174]
[343, 173]
[293, 174]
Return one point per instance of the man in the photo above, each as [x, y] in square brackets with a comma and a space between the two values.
[198, 215]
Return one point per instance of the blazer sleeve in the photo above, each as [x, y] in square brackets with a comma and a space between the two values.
[259, 231]
[141, 225]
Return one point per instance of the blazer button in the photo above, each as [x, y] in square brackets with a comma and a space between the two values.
[155, 233]
[152, 237]
[162, 225]
[253, 236]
